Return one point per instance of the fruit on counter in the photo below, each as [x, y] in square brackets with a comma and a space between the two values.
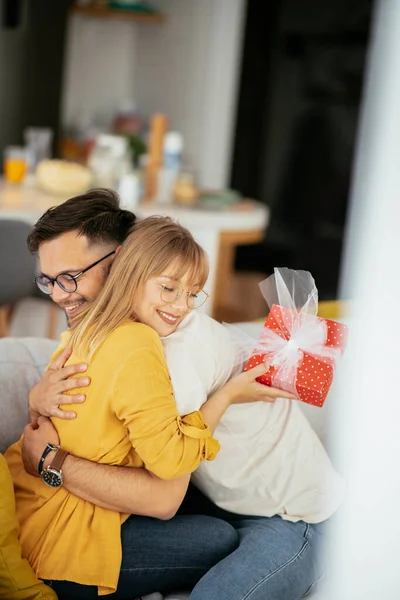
[63, 178]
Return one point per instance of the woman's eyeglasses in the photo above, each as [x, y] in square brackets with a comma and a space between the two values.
[169, 295]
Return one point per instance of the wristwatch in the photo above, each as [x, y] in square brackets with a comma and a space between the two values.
[52, 475]
[49, 448]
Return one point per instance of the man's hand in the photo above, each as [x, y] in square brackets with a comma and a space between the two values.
[36, 437]
[46, 396]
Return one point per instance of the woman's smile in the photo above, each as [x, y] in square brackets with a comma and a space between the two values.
[168, 317]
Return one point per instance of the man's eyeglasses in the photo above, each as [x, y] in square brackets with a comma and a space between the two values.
[65, 281]
[169, 295]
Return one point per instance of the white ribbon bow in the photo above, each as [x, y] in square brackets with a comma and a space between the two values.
[307, 334]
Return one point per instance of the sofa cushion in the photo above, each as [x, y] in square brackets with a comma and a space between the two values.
[22, 363]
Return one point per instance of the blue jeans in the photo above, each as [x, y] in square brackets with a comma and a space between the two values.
[161, 556]
[275, 560]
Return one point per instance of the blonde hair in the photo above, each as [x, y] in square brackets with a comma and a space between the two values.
[154, 245]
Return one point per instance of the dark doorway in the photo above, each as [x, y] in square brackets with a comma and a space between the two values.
[302, 73]
[32, 43]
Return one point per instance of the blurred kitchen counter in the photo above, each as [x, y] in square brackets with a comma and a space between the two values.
[25, 202]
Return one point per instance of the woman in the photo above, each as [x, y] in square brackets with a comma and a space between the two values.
[129, 417]
[271, 463]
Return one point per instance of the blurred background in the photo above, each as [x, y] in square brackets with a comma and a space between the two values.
[237, 117]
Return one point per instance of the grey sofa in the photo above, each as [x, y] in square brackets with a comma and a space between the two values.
[22, 363]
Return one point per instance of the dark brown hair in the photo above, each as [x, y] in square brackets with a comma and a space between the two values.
[95, 215]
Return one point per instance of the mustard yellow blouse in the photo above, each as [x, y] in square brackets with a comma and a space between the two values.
[129, 418]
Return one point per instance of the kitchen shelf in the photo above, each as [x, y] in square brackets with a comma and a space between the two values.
[123, 15]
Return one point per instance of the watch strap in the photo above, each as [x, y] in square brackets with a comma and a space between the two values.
[58, 460]
[49, 448]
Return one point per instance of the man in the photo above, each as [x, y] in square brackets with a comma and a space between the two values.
[76, 270]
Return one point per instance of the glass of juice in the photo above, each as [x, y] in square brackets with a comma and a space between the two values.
[15, 164]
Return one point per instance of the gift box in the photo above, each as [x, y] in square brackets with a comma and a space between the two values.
[302, 351]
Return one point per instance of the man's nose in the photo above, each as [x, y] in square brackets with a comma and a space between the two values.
[59, 295]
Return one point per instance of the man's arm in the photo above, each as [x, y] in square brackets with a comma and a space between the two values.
[122, 489]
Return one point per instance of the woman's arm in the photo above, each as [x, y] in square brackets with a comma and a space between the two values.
[169, 445]
[142, 399]
[242, 388]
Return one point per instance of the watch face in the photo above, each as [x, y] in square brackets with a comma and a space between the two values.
[51, 477]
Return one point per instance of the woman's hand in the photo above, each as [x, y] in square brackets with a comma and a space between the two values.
[240, 389]
[244, 388]
[46, 396]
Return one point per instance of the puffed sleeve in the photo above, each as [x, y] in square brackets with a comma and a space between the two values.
[169, 445]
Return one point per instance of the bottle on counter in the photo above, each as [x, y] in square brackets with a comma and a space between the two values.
[185, 190]
[158, 127]
[127, 120]
[38, 142]
[109, 160]
[130, 191]
[169, 173]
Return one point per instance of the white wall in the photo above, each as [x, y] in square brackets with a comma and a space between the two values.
[99, 67]
[188, 68]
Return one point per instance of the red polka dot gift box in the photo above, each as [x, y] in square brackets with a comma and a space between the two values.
[302, 351]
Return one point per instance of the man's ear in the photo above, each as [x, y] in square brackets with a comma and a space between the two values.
[117, 249]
